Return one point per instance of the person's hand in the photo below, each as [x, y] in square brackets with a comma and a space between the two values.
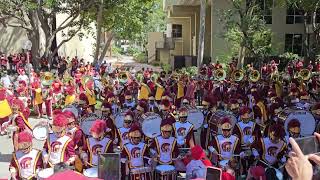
[313, 157]
[298, 165]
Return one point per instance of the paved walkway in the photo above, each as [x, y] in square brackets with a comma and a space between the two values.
[6, 149]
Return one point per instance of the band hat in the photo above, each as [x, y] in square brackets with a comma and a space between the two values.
[24, 140]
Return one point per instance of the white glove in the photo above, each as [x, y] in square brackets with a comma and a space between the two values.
[205, 126]
[212, 149]
[242, 155]
[255, 153]
[45, 158]
[150, 161]
[250, 140]
[123, 160]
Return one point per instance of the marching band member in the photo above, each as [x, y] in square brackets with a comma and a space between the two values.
[209, 108]
[271, 149]
[26, 161]
[57, 94]
[246, 130]
[22, 76]
[123, 132]
[59, 147]
[37, 100]
[113, 101]
[165, 110]
[84, 105]
[136, 152]
[20, 115]
[96, 144]
[90, 93]
[70, 91]
[153, 105]
[183, 130]
[74, 131]
[293, 129]
[142, 108]
[47, 97]
[197, 167]
[129, 103]
[22, 92]
[106, 115]
[165, 145]
[225, 145]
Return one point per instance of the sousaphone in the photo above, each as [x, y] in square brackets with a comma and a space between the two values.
[47, 78]
[237, 75]
[220, 74]
[254, 76]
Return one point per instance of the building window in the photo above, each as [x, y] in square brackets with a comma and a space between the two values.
[266, 10]
[294, 16]
[176, 30]
[310, 17]
[294, 43]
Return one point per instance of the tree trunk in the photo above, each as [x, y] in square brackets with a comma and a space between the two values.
[201, 32]
[306, 49]
[34, 37]
[242, 54]
[99, 27]
[106, 47]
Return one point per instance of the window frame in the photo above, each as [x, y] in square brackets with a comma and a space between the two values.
[293, 43]
[296, 14]
[175, 30]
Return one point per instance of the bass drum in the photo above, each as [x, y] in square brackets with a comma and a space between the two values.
[196, 117]
[151, 124]
[216, 117]
[306, 119]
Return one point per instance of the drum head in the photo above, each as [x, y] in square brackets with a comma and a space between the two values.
[86, 124]
[72, 109]
[40, 132]
[151, 125]
[91, 172]
[306, 119]
[119, 119]
[45, 173]
[220, 114]
[165, 168]
[195, 116]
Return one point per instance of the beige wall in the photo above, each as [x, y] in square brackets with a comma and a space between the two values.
[11, 40]
[215, 45]
[153, 37]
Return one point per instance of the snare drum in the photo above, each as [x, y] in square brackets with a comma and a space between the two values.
[166, 172]
[40, 132]
[45, 173]
[195, 116]
[151, 124]
[91, 172]
[143, 173]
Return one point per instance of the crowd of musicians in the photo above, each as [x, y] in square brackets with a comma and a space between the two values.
[242, 125]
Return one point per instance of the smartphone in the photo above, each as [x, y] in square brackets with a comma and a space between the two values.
[213, 173]
[309, 145]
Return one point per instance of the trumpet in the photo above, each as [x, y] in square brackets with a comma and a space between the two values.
[254, 76]
[237, 75]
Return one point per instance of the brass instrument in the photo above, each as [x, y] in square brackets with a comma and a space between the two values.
[305, 74]
[47, 78]
[237, 75]
[220, 74]
[254, 76]
[123, 77]
[275, 77]
[139, 76]
[155, 76]
[85, 79]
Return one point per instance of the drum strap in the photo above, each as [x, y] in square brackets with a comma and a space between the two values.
[25, 120]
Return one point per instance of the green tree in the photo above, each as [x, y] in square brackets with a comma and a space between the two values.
[38, 16]
[123, 20]
[246, 30]
[310, 8]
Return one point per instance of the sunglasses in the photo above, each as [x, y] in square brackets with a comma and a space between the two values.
[128, 122]
[136, 137]
[166, 131]
[25, 148]
[226, 129]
